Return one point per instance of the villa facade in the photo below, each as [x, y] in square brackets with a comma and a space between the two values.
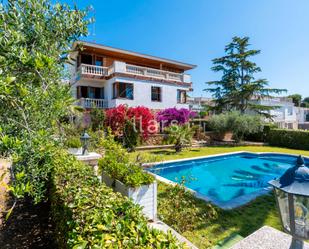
[105, 77]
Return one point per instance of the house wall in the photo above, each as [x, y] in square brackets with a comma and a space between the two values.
[141, 92]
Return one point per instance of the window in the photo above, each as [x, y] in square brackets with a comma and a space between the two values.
[123, 90]
[99, 61]
[90, 92]
[181, 96]
[86, 59]
[290, 111]
[156, 93]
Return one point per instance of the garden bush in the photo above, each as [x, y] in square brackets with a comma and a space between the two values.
[179, 208]
[262, 135]
[294, 139]
[174, 116]
[117, 165]
[237, 123]
[73, 142]
[140, 116]
[97, 117]
[88, 214]
[179, 135]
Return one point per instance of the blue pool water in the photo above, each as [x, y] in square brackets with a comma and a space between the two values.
[230, 180]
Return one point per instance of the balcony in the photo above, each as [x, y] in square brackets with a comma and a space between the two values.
[124, 68]
[92, 103]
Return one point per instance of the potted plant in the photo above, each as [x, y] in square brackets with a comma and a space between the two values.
[74, 145]
[128, 178]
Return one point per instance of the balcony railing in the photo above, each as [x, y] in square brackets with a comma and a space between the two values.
[155, 73]
[122, 67]
[93, 70]
[92, 103]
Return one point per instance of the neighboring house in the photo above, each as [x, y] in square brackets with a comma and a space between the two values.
[198, 104]
[303, 118]
[285, 113]
[106, 77]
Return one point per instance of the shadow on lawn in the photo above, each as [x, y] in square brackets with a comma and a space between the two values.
[246, 219]
[171, 152]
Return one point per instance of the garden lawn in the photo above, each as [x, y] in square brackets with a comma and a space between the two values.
[244, 220]
[169, 154]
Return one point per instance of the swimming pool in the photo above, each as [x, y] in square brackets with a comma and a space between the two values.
[227, 180]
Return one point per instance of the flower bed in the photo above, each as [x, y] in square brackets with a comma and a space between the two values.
[88, 214]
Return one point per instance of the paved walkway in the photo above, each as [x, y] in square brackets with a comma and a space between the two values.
[267, 238]
[164, 228]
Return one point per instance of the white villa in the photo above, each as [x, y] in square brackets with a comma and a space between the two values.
[106, 77]
[286, 115]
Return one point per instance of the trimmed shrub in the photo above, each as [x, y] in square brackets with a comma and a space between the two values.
[294, 139]
[117, 165]
[88, 214]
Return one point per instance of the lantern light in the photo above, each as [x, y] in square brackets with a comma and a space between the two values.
[292, 195]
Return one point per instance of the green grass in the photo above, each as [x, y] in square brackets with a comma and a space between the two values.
[242, 221]
[169, 154]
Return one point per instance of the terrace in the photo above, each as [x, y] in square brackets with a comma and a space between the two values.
[118, 67]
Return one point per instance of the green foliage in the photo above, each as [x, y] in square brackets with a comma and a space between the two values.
[73, 142]
[179, 135]
[238, 85]
[260, 136]
[97, 118]
[35, 39]
[294, 139]
[130, 136]
[178, 208]
[296, 99]
[116, 164]
[237, 123]
[87, 214]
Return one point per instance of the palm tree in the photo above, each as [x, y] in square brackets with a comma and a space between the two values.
[179, 135]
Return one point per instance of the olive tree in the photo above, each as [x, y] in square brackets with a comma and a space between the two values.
[35, 40]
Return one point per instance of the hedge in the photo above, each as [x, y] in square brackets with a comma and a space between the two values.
[294, 139]
[88, 214]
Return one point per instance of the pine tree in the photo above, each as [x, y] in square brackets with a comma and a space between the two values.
[238, 86]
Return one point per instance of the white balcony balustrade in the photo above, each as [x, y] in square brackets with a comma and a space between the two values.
[122, 67]
[92, 103]
[93, 70]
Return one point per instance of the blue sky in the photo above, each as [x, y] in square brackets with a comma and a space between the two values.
[196, 31]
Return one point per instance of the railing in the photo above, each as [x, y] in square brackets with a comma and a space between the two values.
[91, 103]
[155, 73]
[121, 67]
[93, 70]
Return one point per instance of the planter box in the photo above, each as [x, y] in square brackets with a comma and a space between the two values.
[145, 196]
[110, 182]
[75, 151]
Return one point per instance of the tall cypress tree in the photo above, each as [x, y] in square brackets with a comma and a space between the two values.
[238, 86]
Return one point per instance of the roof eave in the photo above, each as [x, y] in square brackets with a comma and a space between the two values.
[95, 45]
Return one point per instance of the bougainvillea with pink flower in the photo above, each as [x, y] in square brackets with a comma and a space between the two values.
[170, 116]
[141, 116]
